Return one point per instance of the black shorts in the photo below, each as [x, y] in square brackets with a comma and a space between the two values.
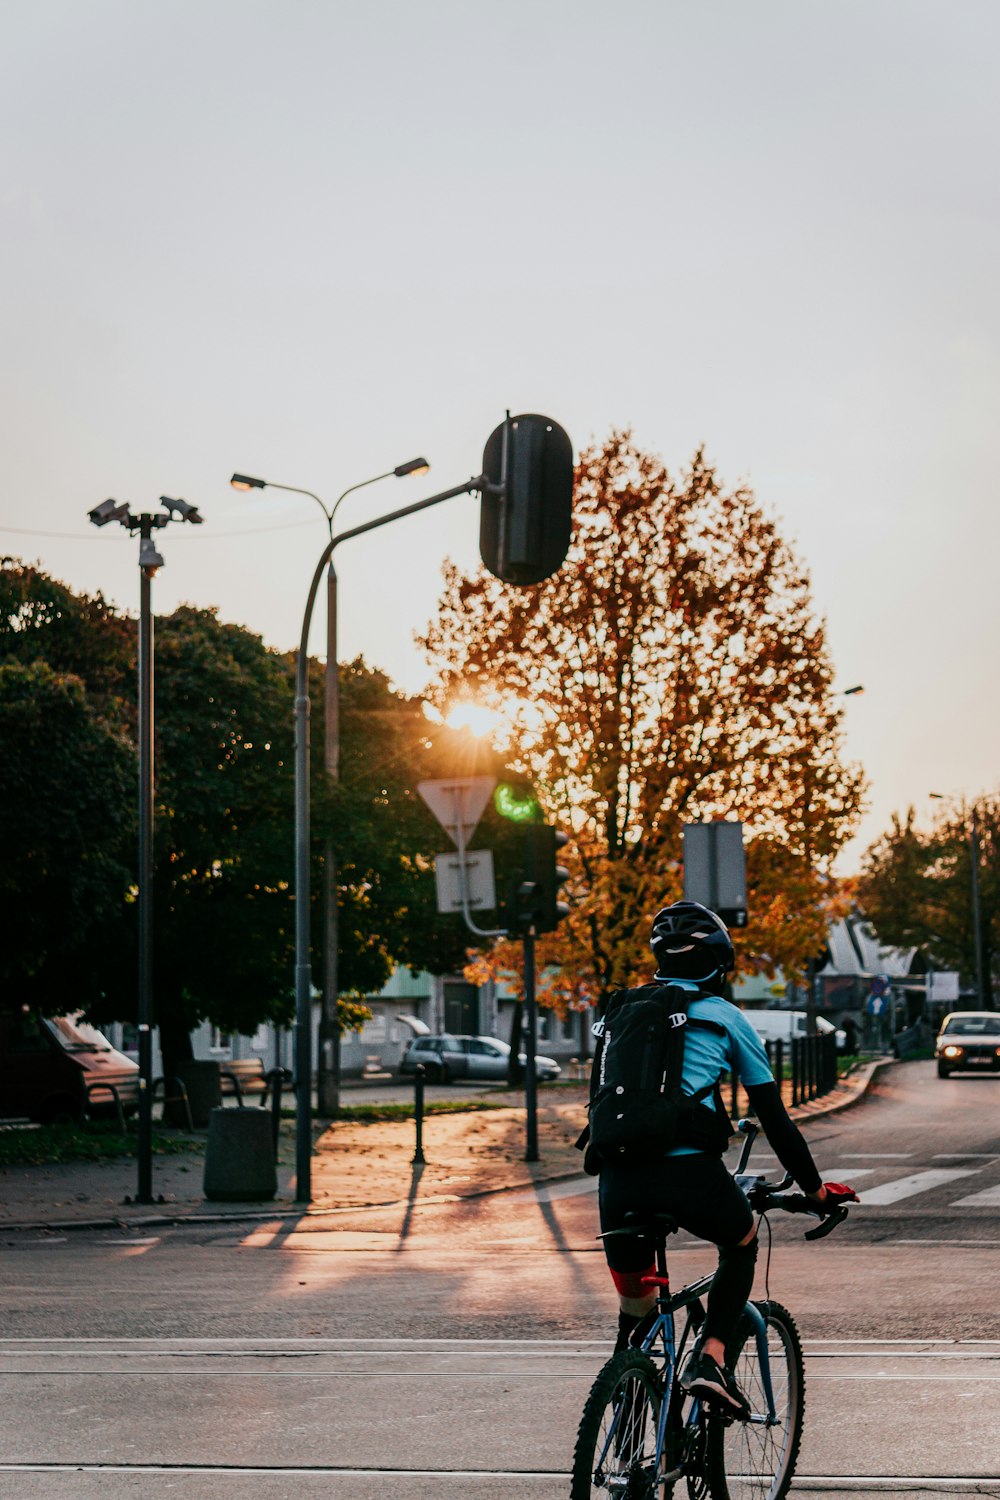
[697, 1190]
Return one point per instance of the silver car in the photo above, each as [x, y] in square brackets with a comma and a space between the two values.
[485, 1057]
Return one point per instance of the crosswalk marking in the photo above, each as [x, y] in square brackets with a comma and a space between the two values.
[988, 1198]
[877, 1155]
[917, 1182]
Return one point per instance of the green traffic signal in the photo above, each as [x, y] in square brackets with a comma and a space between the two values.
[517, 801]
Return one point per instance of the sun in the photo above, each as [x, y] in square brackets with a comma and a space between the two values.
[476, 717]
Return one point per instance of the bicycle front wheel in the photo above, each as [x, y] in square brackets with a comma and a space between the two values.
[616, 1443]
[755, 1460]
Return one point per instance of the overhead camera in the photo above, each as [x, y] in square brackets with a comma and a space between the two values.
[182, 509]
[109, 510]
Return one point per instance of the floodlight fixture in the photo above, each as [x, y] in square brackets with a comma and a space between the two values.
[247, 482]
[183, 509]
[413, 466]
[149, 558]
[109, 510]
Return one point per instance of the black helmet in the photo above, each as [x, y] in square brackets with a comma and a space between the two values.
[687, 927]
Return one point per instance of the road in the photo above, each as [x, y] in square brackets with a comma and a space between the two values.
[447, 1347]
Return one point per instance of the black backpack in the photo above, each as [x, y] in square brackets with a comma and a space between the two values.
[638, 1110]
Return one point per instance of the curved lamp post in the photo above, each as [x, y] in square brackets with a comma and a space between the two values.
[328, 1071]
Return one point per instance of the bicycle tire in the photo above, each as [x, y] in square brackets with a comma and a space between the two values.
[606, 1454]
[745, 1461]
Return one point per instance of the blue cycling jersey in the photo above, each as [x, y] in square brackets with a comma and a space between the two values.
[707, 1054]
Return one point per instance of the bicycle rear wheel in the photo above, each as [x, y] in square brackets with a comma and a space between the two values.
[752, 1460]
[616, 1443]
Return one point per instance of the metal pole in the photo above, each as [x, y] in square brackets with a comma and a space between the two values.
[144, 1191]
[418, 1159]
[328, 1072]
[530, 1020]
[985, 1003]
[303, 968]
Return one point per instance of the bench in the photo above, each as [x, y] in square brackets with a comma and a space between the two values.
[246, 1075]
[117, 1092]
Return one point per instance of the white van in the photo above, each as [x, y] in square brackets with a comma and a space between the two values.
[782, 1025]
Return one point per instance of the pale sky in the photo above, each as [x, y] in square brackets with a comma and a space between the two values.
[310, 240]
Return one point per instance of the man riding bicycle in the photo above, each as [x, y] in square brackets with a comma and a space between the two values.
[693, 950]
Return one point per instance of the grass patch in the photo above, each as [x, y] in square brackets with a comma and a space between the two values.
[51, 1144]
[367, 1112]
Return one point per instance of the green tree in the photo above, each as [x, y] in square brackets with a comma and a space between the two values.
[672, 671]
[44, 620]
[916, 887]
[67, 835]
[223, 897]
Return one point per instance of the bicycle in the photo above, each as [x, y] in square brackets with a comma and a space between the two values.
[640, 1434]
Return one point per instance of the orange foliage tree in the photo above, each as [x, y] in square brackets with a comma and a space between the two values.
[672, 671]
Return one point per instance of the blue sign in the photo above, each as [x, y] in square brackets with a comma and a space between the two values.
[875, 1004]
[880, 984]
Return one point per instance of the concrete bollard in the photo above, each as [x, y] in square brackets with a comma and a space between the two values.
[239, 1157]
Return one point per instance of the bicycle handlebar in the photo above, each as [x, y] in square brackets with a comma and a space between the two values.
[765, 1195]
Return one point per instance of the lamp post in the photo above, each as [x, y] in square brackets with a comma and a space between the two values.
[985, 1002]
[149, 561]
[526, 487]
[328, 1070]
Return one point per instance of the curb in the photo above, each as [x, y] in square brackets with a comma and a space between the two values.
[800, 1115]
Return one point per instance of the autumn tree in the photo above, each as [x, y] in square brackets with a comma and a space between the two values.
[916, 887]
[672, 671]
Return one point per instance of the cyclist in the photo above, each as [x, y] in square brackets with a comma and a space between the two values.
[693, 949]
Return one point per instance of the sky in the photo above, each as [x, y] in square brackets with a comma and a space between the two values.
[312, 239]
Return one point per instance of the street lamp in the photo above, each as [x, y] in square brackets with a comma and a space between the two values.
[526, 490]
[977, 915]
[150, 560]
[328, 1070]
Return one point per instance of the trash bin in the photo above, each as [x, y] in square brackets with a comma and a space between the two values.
[239, 1157]
[203, 1086]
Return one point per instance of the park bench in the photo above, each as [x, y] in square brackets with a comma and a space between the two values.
[246, 1075]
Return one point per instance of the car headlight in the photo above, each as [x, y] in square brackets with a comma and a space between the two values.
[953, 1052]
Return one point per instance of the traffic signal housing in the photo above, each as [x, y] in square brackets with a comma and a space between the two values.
[526, 513]
[536, 901]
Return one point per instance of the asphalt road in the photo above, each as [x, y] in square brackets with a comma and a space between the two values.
[446, 1348]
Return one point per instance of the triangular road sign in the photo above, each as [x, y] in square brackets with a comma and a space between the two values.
[459, 803]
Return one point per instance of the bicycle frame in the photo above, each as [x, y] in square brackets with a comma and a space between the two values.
[689, 1299]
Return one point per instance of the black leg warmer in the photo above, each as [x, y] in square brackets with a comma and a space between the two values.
[730, 1290]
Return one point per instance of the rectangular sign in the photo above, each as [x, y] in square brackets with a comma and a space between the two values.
[944, 986]
[478, 880]
[715, 869]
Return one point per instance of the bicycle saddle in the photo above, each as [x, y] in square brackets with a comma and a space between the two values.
[649, 1226]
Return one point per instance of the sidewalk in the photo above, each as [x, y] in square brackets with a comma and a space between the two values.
[355, 1166]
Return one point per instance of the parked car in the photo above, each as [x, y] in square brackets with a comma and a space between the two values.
[49, 1068]
[450, 1057]
[968, 1039]
[775, 1025]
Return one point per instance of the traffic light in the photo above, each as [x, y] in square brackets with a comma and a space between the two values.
[536, 901]
[527, 504]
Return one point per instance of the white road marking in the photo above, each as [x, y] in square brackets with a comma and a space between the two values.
[909, 1187]
[863, 1482]
[988, 1198]
[877, 1155]
[965, 1156]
